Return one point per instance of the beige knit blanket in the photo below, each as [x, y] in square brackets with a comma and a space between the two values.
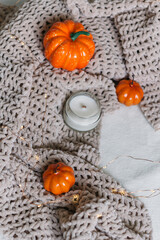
[33, 133]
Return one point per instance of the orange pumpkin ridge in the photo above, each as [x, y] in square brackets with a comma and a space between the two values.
[68, 45]
[58, 178]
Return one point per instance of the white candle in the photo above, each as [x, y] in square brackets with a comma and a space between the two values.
[82, 111]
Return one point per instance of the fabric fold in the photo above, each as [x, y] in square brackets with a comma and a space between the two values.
[98, 212]
[139, 30]
[107, 60]
[94, 218]
[6, 13]
[101, 8]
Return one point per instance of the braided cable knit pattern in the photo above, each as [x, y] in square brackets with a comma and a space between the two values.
[33, 95]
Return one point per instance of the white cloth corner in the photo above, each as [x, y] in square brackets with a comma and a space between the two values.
[126, 132]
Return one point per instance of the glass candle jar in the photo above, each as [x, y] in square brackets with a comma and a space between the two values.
[82, 111]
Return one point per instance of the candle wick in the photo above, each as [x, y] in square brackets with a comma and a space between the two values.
[83, 106]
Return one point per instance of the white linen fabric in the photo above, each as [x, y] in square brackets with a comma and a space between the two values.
[127, 133]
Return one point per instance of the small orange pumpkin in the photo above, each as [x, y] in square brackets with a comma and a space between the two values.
[68, 45]
[129, 92]
[58, 178]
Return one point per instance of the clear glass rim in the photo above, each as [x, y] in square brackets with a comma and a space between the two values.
[80, 130]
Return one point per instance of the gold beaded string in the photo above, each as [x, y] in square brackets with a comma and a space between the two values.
[123, 192]
[153, 192]
[40, 64]
[72, 198]
[36, 157]
[44, 114]
[22, 43]
[34, 58]
[129, 156]
[18, 1]
[14, 134]
[75, 197]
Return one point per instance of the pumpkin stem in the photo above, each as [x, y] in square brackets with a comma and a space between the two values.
[131, 83]
[55, 171]
[74, 36]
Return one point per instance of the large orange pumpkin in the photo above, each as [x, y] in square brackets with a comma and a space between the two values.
[58, 178]
[68, 45]
[129, 92]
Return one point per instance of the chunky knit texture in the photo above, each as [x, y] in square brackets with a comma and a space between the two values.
[33, 95]
[138, 24]
[6, 13]
[141, 47]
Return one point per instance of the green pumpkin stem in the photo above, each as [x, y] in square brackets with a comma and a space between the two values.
[55, 171]
[74, 36]
[131, 84]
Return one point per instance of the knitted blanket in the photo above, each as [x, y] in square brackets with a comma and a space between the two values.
[33, 133]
